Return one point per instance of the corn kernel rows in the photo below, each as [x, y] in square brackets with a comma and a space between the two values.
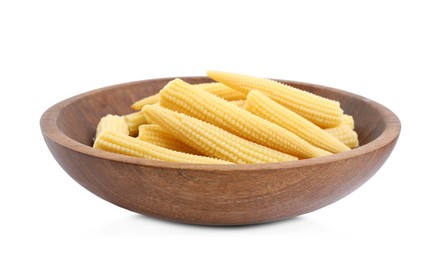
[211, 140]
[124, 144]
[157, 135]
[179, 96]
[321, 111]
[265, 121]
[261, 105]
[215, 88]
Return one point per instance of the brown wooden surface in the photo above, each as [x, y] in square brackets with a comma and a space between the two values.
[213, 194]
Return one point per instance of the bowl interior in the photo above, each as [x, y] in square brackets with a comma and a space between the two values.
[78, 120]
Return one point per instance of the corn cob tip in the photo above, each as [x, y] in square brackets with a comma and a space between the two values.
[150, 100]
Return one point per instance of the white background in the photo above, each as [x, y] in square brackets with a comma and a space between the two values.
[389, 51]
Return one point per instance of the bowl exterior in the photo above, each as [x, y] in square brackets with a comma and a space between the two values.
[214, 197]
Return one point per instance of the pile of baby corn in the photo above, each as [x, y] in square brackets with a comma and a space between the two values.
[236, 119]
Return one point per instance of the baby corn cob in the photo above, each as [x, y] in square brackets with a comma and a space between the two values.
[112, 123]
[134, 120]
[156, 135]
[321, 111]
[239, 103]
[262, 106]
[211, 140]
[215, 88]
[222, 91]
[124, 144]
[178, 95]
[150, 100]
[347, 120]
[345, 134]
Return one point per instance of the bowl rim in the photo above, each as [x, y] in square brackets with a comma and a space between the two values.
[50, 129]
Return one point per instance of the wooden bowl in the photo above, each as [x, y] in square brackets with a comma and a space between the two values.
[213, 194]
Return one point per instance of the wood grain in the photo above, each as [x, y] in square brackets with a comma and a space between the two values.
[213, 194]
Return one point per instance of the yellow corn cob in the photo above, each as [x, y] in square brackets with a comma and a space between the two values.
[319, 110]
[239, 103]
[112, 123]
[222, 91]
[150, 100]
[211, 140]
[124, 144]
[262, 106]
[134, 120]
[345, 134]
[177, 95]
[347, 120]
[156, 135]
[215, 88]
